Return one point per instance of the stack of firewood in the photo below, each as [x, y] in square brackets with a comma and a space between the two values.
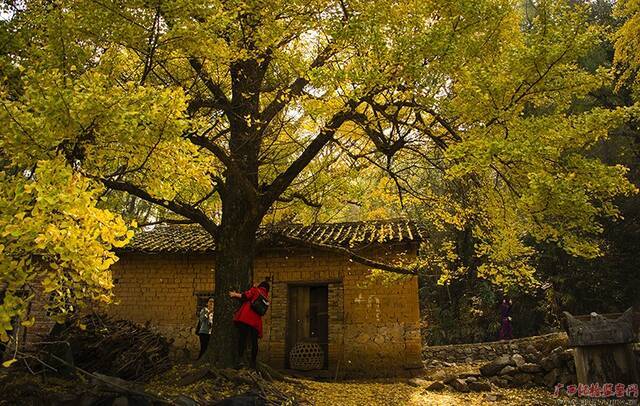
[114, 347]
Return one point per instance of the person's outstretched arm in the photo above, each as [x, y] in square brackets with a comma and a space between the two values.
[244, 296]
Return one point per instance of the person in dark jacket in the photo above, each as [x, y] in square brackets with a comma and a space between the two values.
[506, 332]
[205, 324]
[247, 321]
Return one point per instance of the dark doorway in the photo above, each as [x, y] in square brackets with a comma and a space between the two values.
[309, 318]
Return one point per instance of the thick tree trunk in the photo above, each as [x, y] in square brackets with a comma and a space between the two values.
[241, 216]
[235, 251]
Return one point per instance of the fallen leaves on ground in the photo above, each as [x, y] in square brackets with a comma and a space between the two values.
[395, 392]
[357, 392]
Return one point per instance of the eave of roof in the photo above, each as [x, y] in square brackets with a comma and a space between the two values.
[194, 239]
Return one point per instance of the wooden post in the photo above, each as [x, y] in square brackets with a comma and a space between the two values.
[603, 348]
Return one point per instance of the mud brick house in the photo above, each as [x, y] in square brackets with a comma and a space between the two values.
[363, 326]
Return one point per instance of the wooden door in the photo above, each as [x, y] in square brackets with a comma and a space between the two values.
[309, 317]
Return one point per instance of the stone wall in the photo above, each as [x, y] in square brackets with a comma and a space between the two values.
[373, 325]
[527, 362]
[491, 350]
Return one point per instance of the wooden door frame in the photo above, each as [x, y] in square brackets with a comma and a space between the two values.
[307, 284]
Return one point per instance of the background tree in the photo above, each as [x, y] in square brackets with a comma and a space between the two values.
[465, 309]
[220, 112]
[627, 45]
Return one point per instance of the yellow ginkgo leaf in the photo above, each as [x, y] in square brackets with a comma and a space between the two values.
[8, 363]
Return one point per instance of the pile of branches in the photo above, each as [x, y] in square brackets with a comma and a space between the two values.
[120, 348]
[250, 387]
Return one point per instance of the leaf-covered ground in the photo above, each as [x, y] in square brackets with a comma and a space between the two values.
[400, 393]
[357, 392]
[305, 391]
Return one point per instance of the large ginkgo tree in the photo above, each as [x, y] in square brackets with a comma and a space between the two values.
[219, 111]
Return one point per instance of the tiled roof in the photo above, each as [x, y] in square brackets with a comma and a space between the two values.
[194, 239]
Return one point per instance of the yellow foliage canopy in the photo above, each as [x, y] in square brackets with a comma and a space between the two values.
[54, 242]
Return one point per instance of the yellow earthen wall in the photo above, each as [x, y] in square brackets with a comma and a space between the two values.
[373, 325]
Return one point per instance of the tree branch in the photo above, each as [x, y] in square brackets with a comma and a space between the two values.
[445, 124]
[284, 179]
[167, 221]
[352, 255]
[215, 149]
[284, 96]
[182, 209]
[300, 197]
[198, 103]
[219, 98]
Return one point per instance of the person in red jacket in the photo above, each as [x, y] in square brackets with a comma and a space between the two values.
[247, 321]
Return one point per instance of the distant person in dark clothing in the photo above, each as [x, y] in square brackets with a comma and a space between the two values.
[506, 332]
[248, 321]
[205, 325]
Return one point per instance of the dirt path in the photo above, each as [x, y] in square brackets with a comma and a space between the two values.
[389, 392]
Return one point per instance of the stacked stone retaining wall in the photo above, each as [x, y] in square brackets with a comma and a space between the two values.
[491, 350]
[533, 361]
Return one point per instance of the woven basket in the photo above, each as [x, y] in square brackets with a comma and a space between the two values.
[306, 357]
